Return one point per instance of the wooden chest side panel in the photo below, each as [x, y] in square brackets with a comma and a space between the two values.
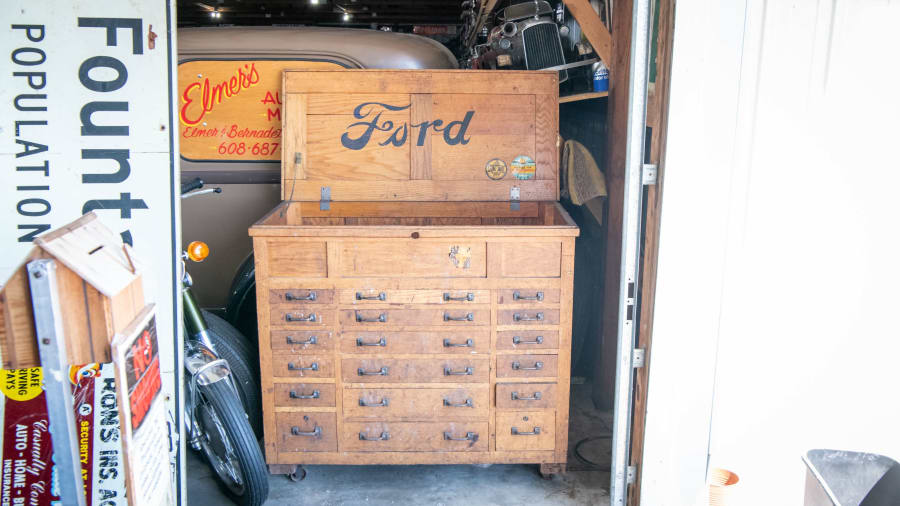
[413, 259]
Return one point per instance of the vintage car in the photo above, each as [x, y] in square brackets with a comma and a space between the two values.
[229, 106]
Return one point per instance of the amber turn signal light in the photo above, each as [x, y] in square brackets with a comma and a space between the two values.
[197, 251]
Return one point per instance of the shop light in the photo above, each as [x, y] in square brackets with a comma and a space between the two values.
[314, 2]
[346, 16]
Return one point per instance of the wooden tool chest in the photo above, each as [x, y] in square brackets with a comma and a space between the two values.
[414, 289]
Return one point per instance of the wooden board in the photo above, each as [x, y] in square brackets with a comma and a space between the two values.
[419, 135]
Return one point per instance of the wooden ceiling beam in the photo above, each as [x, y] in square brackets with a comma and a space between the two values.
[597, 34]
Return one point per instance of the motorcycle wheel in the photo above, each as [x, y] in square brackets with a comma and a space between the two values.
[230, 446]
[244, 365]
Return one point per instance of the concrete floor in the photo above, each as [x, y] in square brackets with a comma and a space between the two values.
[469, 485]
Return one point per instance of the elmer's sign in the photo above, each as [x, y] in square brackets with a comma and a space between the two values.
[231, 109]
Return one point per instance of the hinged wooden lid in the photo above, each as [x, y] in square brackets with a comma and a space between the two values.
[419, 135]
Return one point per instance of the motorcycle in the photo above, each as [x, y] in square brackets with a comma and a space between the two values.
[222, 391]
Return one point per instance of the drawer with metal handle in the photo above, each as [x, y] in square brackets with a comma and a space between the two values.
[372, 296]
[414, 370]
[301, 296]
[530, 296]
[528, 430]
[305, 395]
[526, 396]
[470, 403]
[443, 436]
[525, 340]
[301, 316]
[528, 316]
[527, 366]
[387, 342]
[391, 317]
[290, 365]
[308, 341]
[305, 432]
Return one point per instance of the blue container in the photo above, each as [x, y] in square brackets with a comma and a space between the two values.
[601, 77]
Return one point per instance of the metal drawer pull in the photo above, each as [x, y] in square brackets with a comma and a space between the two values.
[288, 317]
[290, 296]
[537, 367]
[469, 296]
[295, 395]
[381, 372]
[467, 404]
[383, 403]
[365, 437]
[470, 436]
[313, 367]
[467, 318]
[537, 340]
[380, 319]
[380, 296]
[535, 432]
[468, 344]
[317, 432]
[538, 317]
[311, 340]
[535, 397]
[537, 296]
[380, 342]
[465, 372]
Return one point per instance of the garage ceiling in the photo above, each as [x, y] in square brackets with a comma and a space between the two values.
[318, 12]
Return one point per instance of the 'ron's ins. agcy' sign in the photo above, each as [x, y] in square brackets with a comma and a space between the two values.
[454, 132]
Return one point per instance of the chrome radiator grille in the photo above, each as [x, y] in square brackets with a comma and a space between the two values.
[543, 48]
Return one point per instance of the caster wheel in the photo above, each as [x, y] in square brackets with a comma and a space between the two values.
[297, 475]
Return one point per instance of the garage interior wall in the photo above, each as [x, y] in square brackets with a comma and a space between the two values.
[774, 328]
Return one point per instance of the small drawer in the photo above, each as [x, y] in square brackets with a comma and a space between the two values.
[415, 370]
[415, 436]
[532, 430]
[305, 394]
[417, 403]
[526, 366]
[535, 316]
[287, 366]
[301, 296]
[297, 341]
[410, 317]
[368, 296]
[301, 316]
[306, 432]
[463, 342]
[536, 296]
[527, 340]
[526, 396]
